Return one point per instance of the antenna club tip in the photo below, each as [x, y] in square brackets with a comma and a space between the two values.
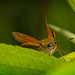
[71, 38]
[65, 40]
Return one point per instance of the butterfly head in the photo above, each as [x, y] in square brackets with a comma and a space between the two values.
[48, 46]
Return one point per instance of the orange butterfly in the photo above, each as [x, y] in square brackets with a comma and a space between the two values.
[47, 45]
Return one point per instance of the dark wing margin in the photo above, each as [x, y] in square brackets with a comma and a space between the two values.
[53, 33]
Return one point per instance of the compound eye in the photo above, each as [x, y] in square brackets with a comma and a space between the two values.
[48, 45]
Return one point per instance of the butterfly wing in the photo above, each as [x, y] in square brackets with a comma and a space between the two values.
[49, 33]
[27, 41]
[23, 38]
[35, 46]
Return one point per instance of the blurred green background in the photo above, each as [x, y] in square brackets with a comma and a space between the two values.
[28, 17]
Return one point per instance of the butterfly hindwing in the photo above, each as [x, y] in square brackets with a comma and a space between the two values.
[35, 46]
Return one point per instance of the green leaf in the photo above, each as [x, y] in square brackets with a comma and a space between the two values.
[72, 4]
[17, 60]
[69, 57]
[65, 69]
[23, 61]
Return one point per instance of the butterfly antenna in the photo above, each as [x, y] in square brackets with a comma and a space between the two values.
[64, 40]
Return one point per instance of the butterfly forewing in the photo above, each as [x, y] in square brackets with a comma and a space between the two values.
[23, 38]
[48, 32]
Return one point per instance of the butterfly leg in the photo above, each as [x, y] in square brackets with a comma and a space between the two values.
[48, 52]
[61, 48]
[60, 53]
